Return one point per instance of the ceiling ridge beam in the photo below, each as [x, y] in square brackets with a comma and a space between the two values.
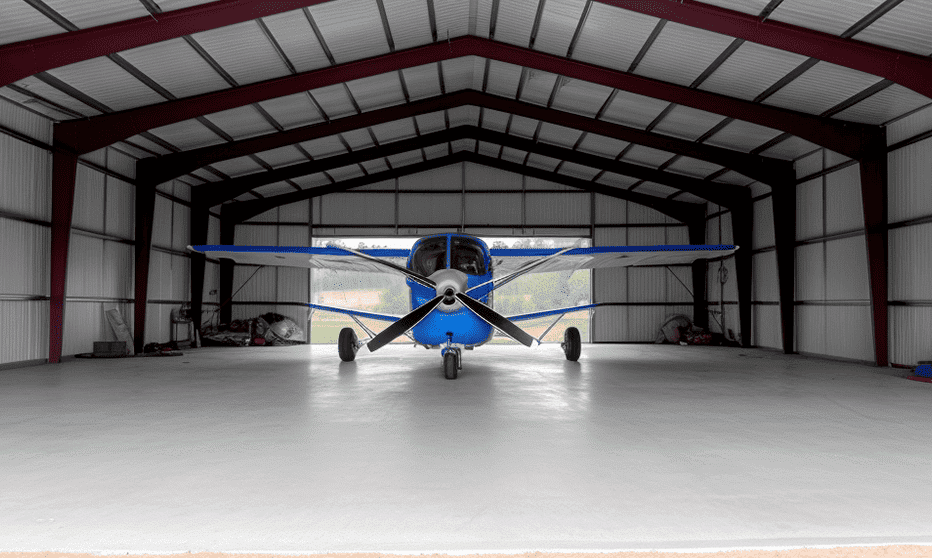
[908, 69]
[95, 132]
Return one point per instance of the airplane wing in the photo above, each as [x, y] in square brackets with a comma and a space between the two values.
[554, 312]
[509, 260]
[358, 313]
[300, 256]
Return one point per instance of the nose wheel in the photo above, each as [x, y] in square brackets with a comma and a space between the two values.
[451, 363]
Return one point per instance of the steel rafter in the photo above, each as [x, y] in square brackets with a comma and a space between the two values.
[907, 69]
[99, 131]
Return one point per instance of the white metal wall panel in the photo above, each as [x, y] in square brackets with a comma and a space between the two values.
[88, 210]
[181, 226]
[679, 283]
[909, 334]
[846, 269]
[712, 235]
[646, 284]
[810, 329]
[298, 212]
[84, 323]
[118, 270]
[292, 285]
[24, 252]
[910, 169]
[727, 235]
[910, 126]
[750, 70]
[430, 209]
[910, 272]
[763, 223]
[569, 208]
[810, 272]
[256, 235]
[676, 235]
[442, 179]
[849, 333]
[809, 209]
[31, 317]
[844, 210]
[610, 211]
[611, 284]
[764, 286]
[345, 208]
[162, 222]
[645, 321]
[213, 230]
[681, 53]
[493, 209]
[25, 179]
[488, 178]
[270, 216]
[158, 323]
[766, 328]
[85, 267]
[809, 164]
[643, 215]
[20, 120]
[610, 323]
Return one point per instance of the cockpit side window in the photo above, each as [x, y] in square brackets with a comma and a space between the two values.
[468, 256]
[430, 255]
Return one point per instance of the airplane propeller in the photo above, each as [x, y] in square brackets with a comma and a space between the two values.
[495, 319]
[399, 328]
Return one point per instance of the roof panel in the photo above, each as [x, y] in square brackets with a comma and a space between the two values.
[906, 27]
[732, 177]
[515, 20]
[581, 97]
[348, 172]
[102, 79]
[503, 79]
[689, 198]
[282, 156]
[312, 180]
[92, 13]
[753, 7]
[149, 145]
[488, 149]
[483, 18]
[405, 159]
[681, 53]
[538, 86]
[377, 91]
[558, 23]
[394, 130]
[422, 81]
[358, 139]
[293, 110]
[188, 134]
[513, 155]
[821, 87]
[823, 15]
[452, 18]
[601, 145]
[687, 122]
[293, 32]
[237, 167]
[743, 136]
[241, 122]
[409, 22]
[541, 162]
[523, 127]
[437, 151]
[377, 166]
[613, 37]
[494, 120]
[654, 189]
[177, 67]
[791, 148]
[243, 51]
[464, 116]
[169, 5]
[693, 167]
[431, 122]
[750, 70]
[275, 189]
[352, 29]
[634, 110]
[649, 156]
[578, 171]
[334, 100]
[884, 106]
[21, 22]
[47, 92]
[458, 73]
[616, 180]
[558, 135]
[324, 147]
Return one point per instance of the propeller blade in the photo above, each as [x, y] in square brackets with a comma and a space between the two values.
[526, 268]
[400, 327]
[496, 319]
[416, 277]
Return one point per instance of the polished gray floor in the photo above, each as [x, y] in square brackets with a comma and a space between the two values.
[633, 447]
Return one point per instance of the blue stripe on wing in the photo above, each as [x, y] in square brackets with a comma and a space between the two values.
[555, 311]
[359, 313]
[539, 252]
[328, 251]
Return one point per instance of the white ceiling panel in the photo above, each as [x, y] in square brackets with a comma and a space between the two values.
[409, 22]
[753, 7]
[647, 156]
[312, 180]
[494, 120]
[437, 151]
[293, 110]
[693, 167]
[541, 162]
[750, 70]
[689, 198]
[342, 174]
[634, 110]
[334, 100]
[558, 23]
[654, 189]
[613, 37]
[581, 97]
[681, 53]
[358, 139]
[514, 155]
[149, 145]
[791, 148]
[169, 5]
[293, 32]
[405, 159]
[489, 149]
[578, 171]
[275, 189]
[188, 134]
[377, 91]
[324, 147]
[21, 22]
[204, 175]
[422, 81]
[238, 167]
[243, 51]
[282, 156]
[352, 29]
[453, 18]
[906, 27]
[241, 122]
[743, 136]
[515, 21]
[503, 79]
[39, 88]
[458, 73]
[523, 127]
[376, 166]
[687, 122]
[823, 15]
[177, 67]
[884, 106]
[431, 122]
[105, 81]
[464, 116]
[537, 87]
[92, 13]
[601, 145]
[558, 135]
[822, 87]
[736, 178]
[394, 130]
[483, 18]
[616, 180]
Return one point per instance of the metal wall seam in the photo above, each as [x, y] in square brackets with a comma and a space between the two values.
[30, 339]
[767, 326]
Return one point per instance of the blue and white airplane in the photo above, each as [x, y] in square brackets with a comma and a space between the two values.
[451, 280]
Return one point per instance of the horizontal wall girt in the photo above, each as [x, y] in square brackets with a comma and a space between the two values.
[99, 131]
[905, 68]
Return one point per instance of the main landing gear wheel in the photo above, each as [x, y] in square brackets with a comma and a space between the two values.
[572, 344]
[347, 344]
[450, 365]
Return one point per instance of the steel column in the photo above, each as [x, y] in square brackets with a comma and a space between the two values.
[699, 267]
[145, 218]
[784, 228]
[64, 171]
[227, 236]
[200, 220]
[874, 198]
[742, 231]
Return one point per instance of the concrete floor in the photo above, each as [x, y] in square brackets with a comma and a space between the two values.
[633, 447]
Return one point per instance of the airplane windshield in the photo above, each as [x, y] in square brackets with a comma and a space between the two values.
[468, 256]
[430, 255]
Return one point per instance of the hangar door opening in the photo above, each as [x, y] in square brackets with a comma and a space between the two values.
[387, 293]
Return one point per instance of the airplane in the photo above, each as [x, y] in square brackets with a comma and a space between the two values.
[451, 279]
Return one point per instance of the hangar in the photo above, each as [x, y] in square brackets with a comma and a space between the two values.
[798, 130]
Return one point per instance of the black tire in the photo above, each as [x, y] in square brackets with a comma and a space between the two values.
[572, 344]
[449, 365]
[347, 344]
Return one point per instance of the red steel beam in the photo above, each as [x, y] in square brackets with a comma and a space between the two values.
[905, 68]
[99, 131]
[25, 58]
[64, 170]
